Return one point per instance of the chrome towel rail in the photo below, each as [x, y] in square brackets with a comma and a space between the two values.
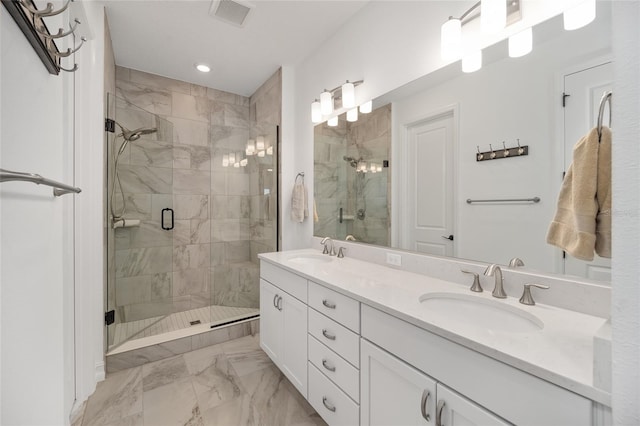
[506, 200]
[58, 188]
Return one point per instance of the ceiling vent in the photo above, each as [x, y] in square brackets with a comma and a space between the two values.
[234, 12]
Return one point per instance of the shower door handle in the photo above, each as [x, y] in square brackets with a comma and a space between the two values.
[162, 219]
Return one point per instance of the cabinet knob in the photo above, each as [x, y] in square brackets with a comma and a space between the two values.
[328, 405]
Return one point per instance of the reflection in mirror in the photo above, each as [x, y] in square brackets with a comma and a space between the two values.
[352, 180]
[441, 121]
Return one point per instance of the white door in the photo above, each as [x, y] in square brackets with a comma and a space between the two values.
[294, 344]
[584, 90]
[270, 321]
[456, 410]
[393, 393]
[428, 227]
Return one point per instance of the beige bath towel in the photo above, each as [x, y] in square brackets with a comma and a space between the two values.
[315, 212]
[582, 222]
[299, 203]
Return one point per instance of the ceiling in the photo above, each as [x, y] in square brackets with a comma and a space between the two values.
[168, 37]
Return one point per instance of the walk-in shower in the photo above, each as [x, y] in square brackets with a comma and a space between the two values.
[184, 228]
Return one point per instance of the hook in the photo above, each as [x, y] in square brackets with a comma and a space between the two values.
[493, 154]
[61, 32]
[520, 149]
[74, 69]
[480, 155]
[46, 12]
[506, 151]
[69, 52]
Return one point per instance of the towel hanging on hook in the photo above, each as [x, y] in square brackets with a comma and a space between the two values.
[606, 98]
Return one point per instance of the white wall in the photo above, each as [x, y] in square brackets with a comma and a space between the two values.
[37, 246]
[504, 101]
[626, 215]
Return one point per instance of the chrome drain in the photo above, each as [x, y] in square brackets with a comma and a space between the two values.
[196, 322]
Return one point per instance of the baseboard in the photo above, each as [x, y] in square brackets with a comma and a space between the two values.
[99, 371]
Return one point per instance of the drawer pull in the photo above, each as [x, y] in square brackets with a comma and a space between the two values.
[328, 304]
[279, 303]
[327, 335]
[423, 405]
[441, 405]
[274, 301]
[327, 366]
[329, 407]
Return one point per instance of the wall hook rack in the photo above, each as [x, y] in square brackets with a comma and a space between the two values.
[497, 154]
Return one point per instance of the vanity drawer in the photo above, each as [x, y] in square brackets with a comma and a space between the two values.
[293, 284]
[337, 337]
[336, 306]
[339, 371]
[333, 405]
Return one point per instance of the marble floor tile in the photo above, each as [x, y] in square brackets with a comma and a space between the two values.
[163, 372]
[215, 382]
[134, 420]
[245, 355]
[237, 412]
[172, 404]
[115, 399]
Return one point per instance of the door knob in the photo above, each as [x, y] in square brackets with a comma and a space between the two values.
[450, 237]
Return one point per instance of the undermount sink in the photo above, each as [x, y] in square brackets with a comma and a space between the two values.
[310, 258]
[477, 312]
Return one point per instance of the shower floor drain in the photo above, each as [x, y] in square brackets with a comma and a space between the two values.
[196, 322]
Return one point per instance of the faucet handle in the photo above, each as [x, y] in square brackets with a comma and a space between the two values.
[476, 281]
[332, 252]
[326, 249]
[526, 298]
[341, 251]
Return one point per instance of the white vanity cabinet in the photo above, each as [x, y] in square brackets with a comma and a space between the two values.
[283, 322]
[393, 392]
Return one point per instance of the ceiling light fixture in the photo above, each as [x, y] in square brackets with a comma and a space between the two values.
[316, 115]
[348, 95]
[203, 67]
[451, 39]
[333, 121]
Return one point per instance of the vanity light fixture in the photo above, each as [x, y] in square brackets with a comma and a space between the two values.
[203, 67]
[493, 15]
[521, 43]
[316, 114]
[260, 143]
[348, 95]
[270, 150]
[352, 115]
[579, 15]
[251, 147]
[366, 107]
[261, 153]
[378, 168]
[225, 160]
[326, 102]
[333, 121]
[232, 158]
[472, 62]
[451, 39]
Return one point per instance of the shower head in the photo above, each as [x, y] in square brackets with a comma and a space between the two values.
[352, 161]
[134, 135]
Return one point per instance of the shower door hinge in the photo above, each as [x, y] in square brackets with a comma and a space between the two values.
[109, 125]
[110, 317]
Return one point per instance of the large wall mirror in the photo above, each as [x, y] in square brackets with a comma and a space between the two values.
[401, 176]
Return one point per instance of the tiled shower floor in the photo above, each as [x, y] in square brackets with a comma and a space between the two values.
[212, 315]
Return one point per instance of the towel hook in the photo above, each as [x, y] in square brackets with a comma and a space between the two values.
[480, 155]
[46, 12]
[69, 52]
[300, 175]
[60, 32]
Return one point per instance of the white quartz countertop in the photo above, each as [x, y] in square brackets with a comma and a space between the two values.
[561, 352]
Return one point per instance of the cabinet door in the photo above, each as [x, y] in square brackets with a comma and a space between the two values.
[270, 321]
[392, 392]
[456, 410]
[294, 346]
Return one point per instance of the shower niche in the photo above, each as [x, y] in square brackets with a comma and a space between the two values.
[183, 226]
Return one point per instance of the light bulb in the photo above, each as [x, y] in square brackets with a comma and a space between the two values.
[261, 153]
[316, 115]
[493, 15]
[326, 103]
[379, 168]
[251, 147]
[244, 162]
[352, 115]
[366, 107]
[373, 168]
[521, 43]
[270, 150]
[451, 40]
[236, 165]
[472, 62]
[225, 160]
[580, 15]
[260, 143]
[348, 95]
[362, 166]
[333, 121]
[232, 158]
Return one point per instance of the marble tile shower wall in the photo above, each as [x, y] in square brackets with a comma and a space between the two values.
[205, 259]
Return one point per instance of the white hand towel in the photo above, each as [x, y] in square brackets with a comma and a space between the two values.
[299, 210]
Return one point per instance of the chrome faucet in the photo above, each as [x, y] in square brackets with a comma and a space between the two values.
[515, 262]
[498, 290]
[330, 251]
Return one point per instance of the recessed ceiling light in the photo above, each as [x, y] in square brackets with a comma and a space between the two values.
[203, 67]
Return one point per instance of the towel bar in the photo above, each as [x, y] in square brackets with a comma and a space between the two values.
[58, 188]
[506, 200]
